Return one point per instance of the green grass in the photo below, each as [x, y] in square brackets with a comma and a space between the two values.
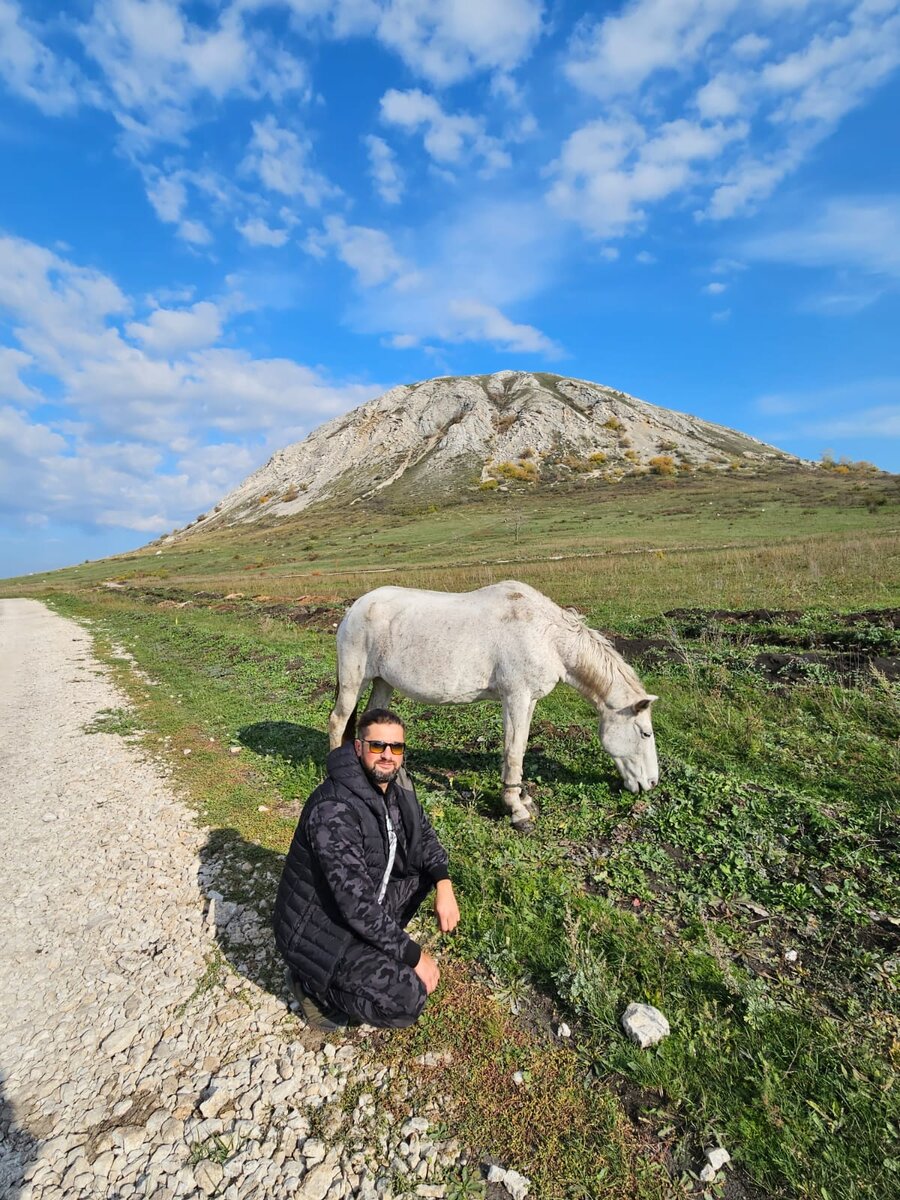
[752, 896]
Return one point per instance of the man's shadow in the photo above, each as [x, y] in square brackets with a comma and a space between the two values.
[239, 880]
[18, 1149]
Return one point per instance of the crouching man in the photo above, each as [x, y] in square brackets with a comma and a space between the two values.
[363, 858]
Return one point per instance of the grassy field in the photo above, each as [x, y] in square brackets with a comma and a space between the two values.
[753, 896]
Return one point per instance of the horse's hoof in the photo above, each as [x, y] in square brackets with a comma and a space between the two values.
[532, 806]
[524, 826]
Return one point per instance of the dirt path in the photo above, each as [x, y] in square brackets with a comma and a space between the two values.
[133, 1061]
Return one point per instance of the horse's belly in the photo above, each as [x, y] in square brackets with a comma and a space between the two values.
[432, 695]
[439, 683]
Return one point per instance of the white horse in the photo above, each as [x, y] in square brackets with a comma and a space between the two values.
[505, 642]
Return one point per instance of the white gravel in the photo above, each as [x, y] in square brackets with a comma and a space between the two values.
[119, 1075]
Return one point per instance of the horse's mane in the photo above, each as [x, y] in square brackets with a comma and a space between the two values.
[595, 662]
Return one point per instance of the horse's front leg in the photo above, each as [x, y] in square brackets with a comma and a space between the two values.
[517, 714]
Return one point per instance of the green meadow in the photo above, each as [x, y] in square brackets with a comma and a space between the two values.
[753, 896]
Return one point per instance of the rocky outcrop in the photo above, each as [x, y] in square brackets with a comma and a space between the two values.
[433, 438]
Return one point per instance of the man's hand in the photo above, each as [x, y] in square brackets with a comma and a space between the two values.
[427, 970]
[445, 906]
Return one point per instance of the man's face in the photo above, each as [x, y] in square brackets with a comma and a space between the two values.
[381, 766]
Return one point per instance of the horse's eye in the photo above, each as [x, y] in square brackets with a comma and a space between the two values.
[644, 734]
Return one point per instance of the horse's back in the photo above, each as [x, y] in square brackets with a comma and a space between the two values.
[452, 645]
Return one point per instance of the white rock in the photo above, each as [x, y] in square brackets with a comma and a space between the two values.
[121, 1038]
[645, 1025]
[518, 1078]
[317, 1182]
[208, 1175]
[414, 1125]
[563, 1030]
[517, 1185]
[791, 956]
[717, 1157]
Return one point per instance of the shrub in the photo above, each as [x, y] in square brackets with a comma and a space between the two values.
[624, 441]
[527, 471]
[632, 455]
[488, 485]
[667, 445]
[613, 423]
[528, 452]
[597, 458]
[662, 464]
[574, 463]
[291, 494]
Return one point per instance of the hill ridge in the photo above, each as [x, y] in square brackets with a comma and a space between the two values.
[438, 436]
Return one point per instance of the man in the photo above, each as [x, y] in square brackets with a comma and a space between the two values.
[363, 858]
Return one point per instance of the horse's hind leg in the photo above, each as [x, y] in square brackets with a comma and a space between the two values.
[381, 694]
[517, 714]
[349, 689]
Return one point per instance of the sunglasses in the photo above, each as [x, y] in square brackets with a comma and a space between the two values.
[378, 746]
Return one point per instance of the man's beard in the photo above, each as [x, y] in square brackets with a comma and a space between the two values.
[377, 775]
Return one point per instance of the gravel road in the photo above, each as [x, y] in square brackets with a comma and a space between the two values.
[134, 1062]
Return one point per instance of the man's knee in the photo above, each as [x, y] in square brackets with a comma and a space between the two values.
[400, 1011]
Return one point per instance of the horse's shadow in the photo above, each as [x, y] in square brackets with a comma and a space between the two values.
[436, 766]
[299, 745]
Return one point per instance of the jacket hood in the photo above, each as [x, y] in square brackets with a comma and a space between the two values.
[344, 768]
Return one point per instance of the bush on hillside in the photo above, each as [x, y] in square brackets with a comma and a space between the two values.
[662, 464]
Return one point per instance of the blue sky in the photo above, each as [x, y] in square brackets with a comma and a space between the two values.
[222, 224]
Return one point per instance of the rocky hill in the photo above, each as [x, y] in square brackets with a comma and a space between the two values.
[422, 441]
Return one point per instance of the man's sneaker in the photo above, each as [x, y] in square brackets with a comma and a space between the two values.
[316, 1017]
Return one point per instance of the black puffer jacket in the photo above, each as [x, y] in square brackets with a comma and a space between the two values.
[328, 894]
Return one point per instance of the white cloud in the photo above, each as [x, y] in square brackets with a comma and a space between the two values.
[857, 233]
[368, 252]
[158, 65]
[402, 341]
[880, 422]
[258, 233]
[170, 331]
[12, 387]
[31, 70]
[609, 170]
[122, 397]
[715, 288]
[783, 72]
[449, 138]
[447, 40]
[751, 45]
[278, 156]
[645, 258]
[616, 54]
[385, 172]
[473, 321]
[472, 271]
[834, 401]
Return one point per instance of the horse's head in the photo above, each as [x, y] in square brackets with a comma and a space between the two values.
[627, 736]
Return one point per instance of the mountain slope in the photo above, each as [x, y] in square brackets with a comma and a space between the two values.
[430, 439]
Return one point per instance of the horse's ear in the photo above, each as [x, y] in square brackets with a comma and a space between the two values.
[640, 705]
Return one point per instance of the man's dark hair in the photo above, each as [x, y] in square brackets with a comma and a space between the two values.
[378, 716]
